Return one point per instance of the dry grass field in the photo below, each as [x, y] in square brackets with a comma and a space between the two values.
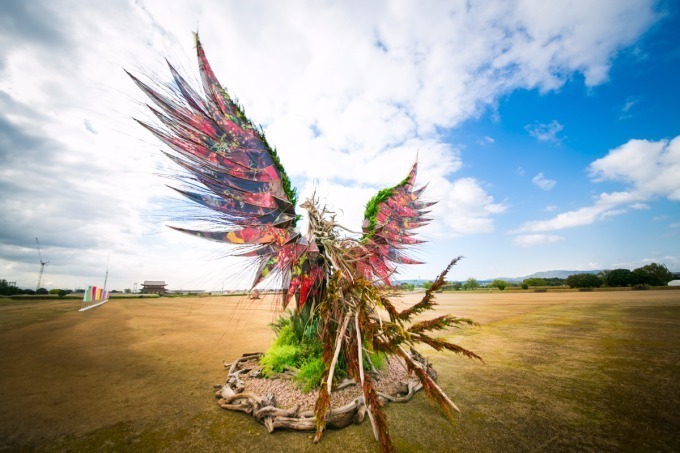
[563, 371]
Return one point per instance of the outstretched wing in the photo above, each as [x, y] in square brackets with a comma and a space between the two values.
[232, 169]
[388, 230]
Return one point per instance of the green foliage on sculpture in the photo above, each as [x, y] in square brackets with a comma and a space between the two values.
[372, 207]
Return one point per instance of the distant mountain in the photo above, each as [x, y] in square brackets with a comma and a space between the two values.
[415, 282]
[544, 274]
[559, 274]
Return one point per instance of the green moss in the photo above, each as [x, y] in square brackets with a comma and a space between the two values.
[371, 211]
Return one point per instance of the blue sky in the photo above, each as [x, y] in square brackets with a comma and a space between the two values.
[640, 100]
[548, 131]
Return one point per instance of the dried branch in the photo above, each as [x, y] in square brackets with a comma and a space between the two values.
[432, 390]
[441, 343]
[427, 301]
[439, 323]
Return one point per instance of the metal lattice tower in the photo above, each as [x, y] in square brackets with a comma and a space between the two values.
[42, 265]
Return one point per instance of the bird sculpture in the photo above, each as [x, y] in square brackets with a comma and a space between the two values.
[339, 282]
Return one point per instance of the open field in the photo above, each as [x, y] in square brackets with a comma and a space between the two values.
[576, 370]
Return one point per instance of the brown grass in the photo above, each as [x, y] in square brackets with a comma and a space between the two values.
[562, 371]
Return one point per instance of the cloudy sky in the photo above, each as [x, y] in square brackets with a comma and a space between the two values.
[548, 131]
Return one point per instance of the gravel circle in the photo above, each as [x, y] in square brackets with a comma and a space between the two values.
[391, 380]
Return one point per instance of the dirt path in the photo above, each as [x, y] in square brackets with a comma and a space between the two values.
[563, 370]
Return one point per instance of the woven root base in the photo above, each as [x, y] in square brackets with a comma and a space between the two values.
[236, 395]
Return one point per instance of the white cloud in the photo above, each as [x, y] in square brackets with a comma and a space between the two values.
[613, 212]
[627, 106]
[545, 132]
[649, 168]
[550, 208]
[542, 182]
[530, 240]
[464, 207]
[604, 207]
[640, 206]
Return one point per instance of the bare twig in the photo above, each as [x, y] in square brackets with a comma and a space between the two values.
[338, 344]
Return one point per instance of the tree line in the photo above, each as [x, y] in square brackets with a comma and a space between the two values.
[653, 274]
[10, 289]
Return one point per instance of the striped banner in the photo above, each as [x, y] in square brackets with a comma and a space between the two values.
[87, 297]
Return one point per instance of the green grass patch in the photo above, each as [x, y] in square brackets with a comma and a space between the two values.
[379, 360]
[278, 357]
[297, 347]
[310, 374]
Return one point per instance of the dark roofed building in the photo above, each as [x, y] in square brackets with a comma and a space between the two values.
[154, 287]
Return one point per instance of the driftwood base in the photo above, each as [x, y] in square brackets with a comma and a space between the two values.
[264, 408]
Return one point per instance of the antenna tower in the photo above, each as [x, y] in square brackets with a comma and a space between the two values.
[106, 277]
[42, 265]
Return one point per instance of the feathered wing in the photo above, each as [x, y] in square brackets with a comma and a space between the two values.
[390, 219]
[232, 169]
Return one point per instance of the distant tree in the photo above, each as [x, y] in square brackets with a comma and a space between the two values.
[62, 293]
[584, 281]
[534, 281]
[471, 283]
[554, 281]
[500, 284]
[41, 291]
[457, 286]
[427, 284]
[54, 291]
[127, 290]
[652, 274]
[617, 277]
[7, 289]
[639, 277]
[452, 286]
[525, 286]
